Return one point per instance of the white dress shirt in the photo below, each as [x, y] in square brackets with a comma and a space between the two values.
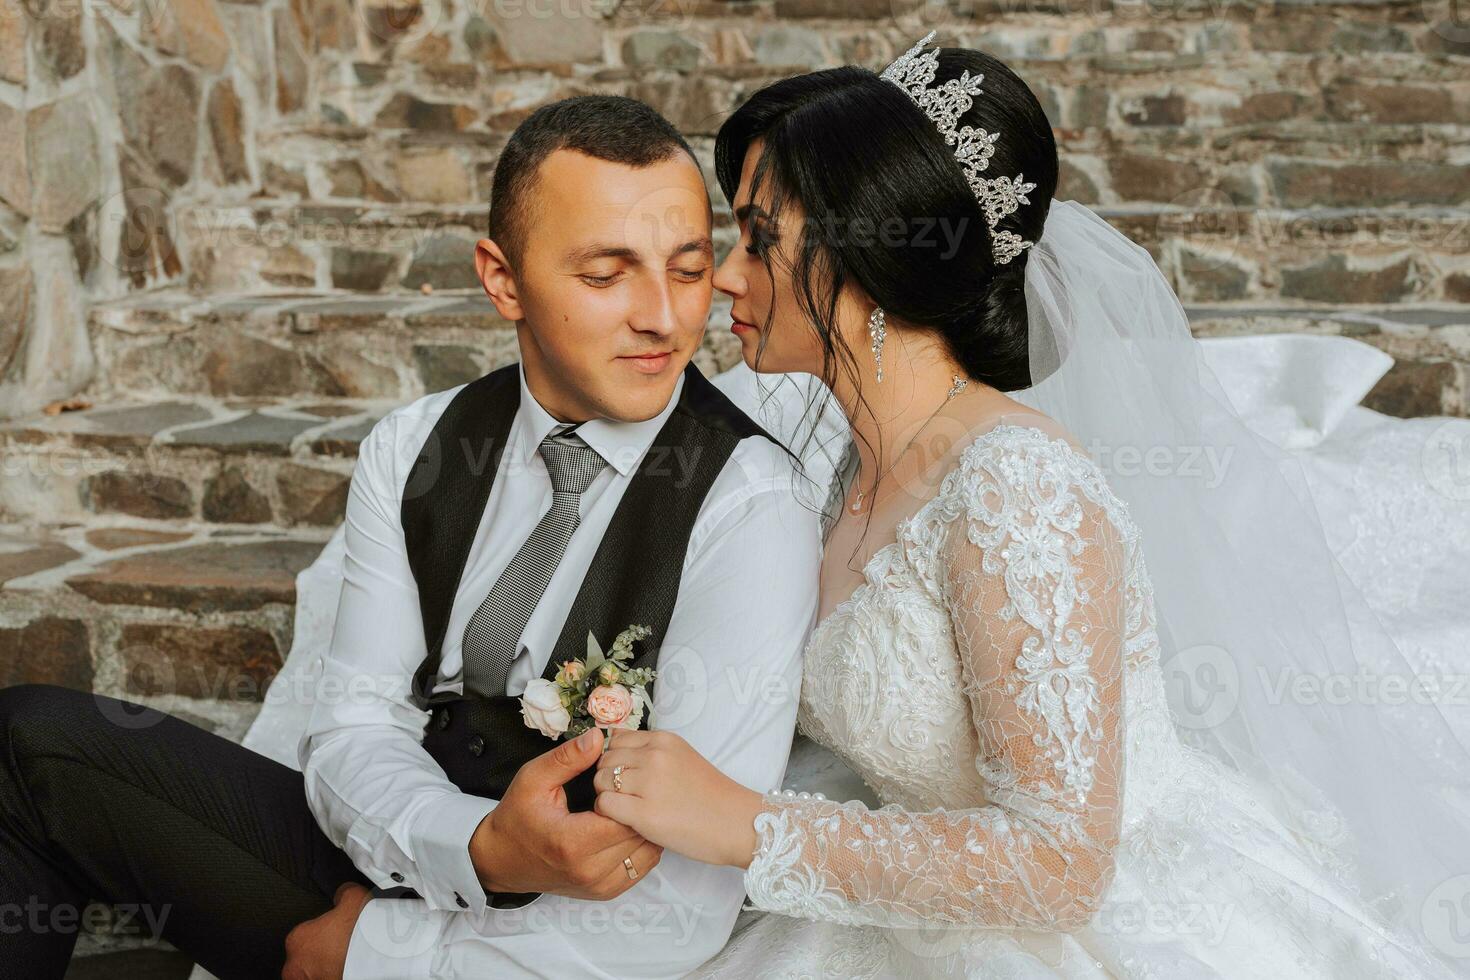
[729, 679]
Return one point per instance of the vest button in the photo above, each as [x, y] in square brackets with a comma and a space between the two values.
[441, 719]
[476, 746]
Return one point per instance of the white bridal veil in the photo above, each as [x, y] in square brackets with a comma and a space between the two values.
[1273, 661]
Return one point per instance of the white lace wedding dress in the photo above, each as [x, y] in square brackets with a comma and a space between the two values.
[995, 678]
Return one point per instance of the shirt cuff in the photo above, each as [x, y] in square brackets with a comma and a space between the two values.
[440, 841]
[394, 939]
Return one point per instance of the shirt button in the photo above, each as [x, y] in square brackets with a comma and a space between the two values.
[477, 745]
[396, 876]
[458, 898]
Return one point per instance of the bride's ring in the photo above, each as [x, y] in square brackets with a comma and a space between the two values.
[632, 871]
[618, 788]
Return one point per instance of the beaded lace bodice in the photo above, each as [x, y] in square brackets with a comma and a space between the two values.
[989, 679]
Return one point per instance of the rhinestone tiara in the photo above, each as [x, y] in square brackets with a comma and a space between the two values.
[944, 105]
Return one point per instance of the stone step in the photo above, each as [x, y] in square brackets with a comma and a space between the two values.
[1365, 60]
[1262, 159]
[237, 447]
[335, 347]
[1213, 244]
[256, 463]
[186, 617]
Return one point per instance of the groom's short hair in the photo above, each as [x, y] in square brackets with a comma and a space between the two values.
[608, 127]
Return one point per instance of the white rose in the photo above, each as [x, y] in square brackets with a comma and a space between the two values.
[542, 709]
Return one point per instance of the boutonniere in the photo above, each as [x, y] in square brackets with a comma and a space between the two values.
[601, 691]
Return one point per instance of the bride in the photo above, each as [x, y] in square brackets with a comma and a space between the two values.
[1076, 686]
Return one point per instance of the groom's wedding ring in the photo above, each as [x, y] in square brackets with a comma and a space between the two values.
[632, 871]
[618, 788]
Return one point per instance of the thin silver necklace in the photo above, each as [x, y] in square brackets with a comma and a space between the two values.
[856, 506]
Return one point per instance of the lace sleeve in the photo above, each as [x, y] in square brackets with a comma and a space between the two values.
[1031, 570]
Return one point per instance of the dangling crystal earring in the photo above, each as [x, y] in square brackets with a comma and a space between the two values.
[878, 330]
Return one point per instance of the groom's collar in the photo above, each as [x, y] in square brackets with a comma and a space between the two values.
[621, 444]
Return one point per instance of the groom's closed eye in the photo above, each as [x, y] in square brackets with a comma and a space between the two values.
[697, 255]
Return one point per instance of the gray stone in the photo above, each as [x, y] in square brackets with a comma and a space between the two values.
[362, 270]
[227, 664]
[1137, 177]
[661, 49]
[189, 28]
[444, 262]
[58, 32]
[312, 496]
[1369, 184]
[13, 30]
[357, 373]
[1352, 101]
[15, 313]
[214, 577]
[443, 366]
[1267, 107]
[230, 499]
[292, 72]
[15, 175]
[118, 428]
[113, 538]
[158, 108]
[1155, 110]
[540, 33]
[26, 555]
[145, 249]
[343, 440]
[1355, 37]
[1213, 278]
[171, 121]
[49, 650]
[784, 45]
[239, 364]
[253, 432]
[349, 179]
[226, 132]
[61, 147]
[404, 111]
[148, 494]
[1330, 280]
[1412, 389]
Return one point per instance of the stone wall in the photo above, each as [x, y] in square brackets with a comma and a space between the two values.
[1311, 153]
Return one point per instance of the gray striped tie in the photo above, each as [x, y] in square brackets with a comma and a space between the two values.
[493, 634]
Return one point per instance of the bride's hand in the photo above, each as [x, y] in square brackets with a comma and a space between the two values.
[674, 797]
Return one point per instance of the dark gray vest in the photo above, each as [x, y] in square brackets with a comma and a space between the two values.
[634, 576]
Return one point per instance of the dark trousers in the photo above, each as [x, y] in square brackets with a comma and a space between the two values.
[192, 837]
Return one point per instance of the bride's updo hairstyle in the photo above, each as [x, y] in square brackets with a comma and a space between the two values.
[858, 156]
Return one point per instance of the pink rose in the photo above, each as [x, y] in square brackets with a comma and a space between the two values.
[571, 672]
[610, 704]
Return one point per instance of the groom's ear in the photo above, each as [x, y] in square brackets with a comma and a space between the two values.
[494, 271]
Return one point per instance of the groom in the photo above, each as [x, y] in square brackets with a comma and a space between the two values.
[490, 528]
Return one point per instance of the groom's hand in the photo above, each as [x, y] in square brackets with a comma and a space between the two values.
[317, 948]
[530, 842]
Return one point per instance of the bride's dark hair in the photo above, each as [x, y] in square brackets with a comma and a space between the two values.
[851, 147]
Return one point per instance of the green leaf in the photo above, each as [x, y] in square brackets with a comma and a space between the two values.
[595, 657]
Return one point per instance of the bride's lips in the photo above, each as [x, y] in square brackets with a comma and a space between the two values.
[739, 326]
[650, 363]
